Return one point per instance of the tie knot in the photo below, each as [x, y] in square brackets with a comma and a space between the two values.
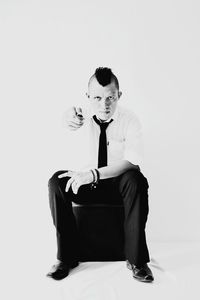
[103, 125]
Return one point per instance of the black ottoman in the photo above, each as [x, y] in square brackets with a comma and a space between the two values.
[101, 231]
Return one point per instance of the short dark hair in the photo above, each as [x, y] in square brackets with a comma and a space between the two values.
[104, 76]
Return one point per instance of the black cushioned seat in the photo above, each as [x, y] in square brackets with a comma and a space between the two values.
[101, 231]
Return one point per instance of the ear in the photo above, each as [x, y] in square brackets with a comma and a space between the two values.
[119, 94]
[87, 95]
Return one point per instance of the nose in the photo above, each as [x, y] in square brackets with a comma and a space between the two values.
[105, 103]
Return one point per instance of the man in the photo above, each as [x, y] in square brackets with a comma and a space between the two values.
[115, 146]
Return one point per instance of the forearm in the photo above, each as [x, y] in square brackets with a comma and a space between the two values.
[116, 169]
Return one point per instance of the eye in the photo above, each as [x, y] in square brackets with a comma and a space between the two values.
[111, 98]
[97, 98]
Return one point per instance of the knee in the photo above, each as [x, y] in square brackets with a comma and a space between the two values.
[135, 179]
[54, 180]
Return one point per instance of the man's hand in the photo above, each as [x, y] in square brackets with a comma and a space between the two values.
[74, 118]
[77, 179]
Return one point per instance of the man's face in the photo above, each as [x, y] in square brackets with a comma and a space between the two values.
[103, 99]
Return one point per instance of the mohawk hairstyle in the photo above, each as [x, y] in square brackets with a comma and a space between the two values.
[105, 76]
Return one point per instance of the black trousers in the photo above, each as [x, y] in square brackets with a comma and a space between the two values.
[130, 188]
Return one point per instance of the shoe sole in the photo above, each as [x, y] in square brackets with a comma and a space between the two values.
[143, 280]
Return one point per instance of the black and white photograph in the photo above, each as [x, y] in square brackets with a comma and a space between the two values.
[100, 149]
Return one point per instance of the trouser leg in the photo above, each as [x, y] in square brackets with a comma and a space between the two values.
[133, 187]
[63, 219]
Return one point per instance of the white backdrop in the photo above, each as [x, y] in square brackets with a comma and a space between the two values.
[48, 51]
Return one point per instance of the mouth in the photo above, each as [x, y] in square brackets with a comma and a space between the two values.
[105, 112]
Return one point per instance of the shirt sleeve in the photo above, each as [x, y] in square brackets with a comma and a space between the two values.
[134, 151]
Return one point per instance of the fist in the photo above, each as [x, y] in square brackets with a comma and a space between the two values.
[74, 118]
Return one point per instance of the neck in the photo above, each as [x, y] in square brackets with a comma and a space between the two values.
[103, 121]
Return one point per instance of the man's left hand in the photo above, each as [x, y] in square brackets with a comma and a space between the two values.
[77, 179]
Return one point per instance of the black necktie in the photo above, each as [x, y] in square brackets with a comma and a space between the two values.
[102, 155]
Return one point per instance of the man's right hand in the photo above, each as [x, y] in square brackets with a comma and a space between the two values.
[74, 118]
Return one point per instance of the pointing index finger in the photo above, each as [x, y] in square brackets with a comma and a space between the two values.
[79, 113]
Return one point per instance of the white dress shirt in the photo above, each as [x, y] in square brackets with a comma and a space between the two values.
[124, 140]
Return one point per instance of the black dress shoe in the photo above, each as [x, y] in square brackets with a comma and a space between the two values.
[142, 273]
[61, 270]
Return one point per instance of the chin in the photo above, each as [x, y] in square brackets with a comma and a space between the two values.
[104, 116]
